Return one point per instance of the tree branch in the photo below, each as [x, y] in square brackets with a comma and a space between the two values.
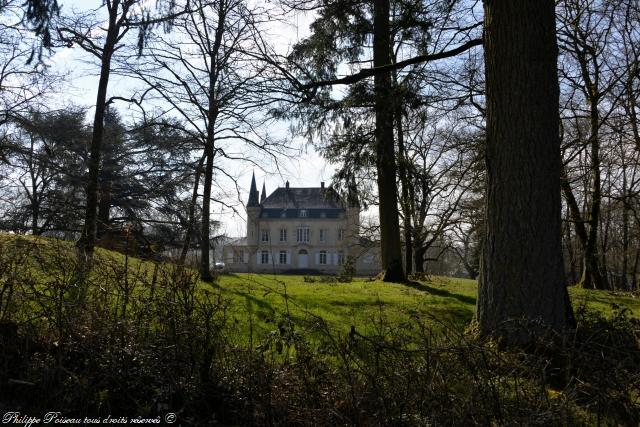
[369, 72]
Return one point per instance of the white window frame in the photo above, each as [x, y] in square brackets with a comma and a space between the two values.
[322, 258]
[302, 235]
[264, 235]
[341, 234]
[264, 257]
[340, 258]
[281, 255]
[283, 234]
[304, 213]
[323, 235]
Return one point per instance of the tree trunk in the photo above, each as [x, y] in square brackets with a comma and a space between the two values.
[391, 253]
[104, 208]
[205, 247]
[592, 274]
[191, 219]
[209, 150]
[625, 229]
[522, 272]
[418, 259]
[87, 239]
[573, 275]
[404, 197]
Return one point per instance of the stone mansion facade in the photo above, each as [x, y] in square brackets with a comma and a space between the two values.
[301, 230]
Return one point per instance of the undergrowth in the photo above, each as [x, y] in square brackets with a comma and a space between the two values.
[126, 341]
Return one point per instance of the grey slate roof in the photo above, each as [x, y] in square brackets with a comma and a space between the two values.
[303, 198]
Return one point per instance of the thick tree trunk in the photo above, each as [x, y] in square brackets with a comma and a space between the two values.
[391, 253]
[522, 272]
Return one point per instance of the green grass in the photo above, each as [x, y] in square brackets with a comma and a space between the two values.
[263, 300]
[362, 303]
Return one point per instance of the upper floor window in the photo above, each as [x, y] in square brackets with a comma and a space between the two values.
[303, 234]
[323, 235]
[283, 234]
[304, 213]
[322, 258]
[341, 234]
[264, 235]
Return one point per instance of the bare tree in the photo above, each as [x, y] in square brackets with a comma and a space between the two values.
[209, 74]
[102, 33]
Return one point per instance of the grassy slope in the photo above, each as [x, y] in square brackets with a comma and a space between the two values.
[361, 303]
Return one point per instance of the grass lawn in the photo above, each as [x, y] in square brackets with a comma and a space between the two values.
[441, 301]
[363, 303]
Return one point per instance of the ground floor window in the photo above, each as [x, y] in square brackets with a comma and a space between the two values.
[283, 257]
[322, 259]
[340, 257]
[238, 256]
[264, 257]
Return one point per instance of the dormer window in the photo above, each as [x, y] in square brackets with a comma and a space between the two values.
[323, 214]
[304, 213]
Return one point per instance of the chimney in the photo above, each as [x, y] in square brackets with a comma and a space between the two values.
[287, 185]
[322, 185]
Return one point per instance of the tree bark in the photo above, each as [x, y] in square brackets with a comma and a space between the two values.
[418, 259]
[104, 208]
[391, 253]
[209, 150]
[205, 247]
[191, 219]
[404, 197]
[87, 240]
[522, 272]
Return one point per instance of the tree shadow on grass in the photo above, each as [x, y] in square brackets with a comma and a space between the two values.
[248, 297]
[440, 292]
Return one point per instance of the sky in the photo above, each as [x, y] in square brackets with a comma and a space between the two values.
[305, 169]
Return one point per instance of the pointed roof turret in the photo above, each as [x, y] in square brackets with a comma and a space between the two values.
[264, 193]
[253, 193]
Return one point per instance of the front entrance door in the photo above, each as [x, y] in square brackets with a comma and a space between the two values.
[303, 259]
